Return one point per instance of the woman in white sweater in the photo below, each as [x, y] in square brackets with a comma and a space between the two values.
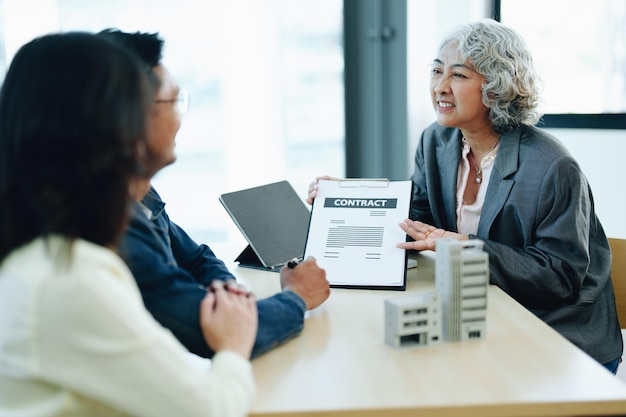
[75, 338]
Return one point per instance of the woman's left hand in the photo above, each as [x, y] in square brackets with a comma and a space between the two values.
[424, 235]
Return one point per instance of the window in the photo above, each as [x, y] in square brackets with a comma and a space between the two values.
[580, 55]
[266, 86]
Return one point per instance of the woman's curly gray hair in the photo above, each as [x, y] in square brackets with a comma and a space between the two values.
[512, 87]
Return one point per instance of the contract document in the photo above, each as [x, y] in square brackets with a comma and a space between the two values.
[353, 232]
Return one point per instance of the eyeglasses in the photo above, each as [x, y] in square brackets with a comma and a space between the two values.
[181, 102]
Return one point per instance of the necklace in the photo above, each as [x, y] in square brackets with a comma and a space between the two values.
[490, 156]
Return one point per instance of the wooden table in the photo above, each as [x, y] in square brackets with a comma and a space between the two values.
[340, 365]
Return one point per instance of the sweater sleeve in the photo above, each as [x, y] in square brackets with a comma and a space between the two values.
[97, 339]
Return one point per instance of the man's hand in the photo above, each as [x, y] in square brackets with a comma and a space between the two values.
[307, 280]
[233, 286]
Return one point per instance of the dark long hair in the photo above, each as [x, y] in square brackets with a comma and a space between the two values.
[73, 120]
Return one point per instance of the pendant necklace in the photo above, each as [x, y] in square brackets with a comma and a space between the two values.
[490, 156]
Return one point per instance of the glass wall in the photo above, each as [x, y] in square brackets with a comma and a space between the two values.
[266, 86]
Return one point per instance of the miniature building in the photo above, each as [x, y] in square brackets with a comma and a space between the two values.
[414, 320]
[461, 278]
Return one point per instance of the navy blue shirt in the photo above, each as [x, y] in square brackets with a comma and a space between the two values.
[173, 271]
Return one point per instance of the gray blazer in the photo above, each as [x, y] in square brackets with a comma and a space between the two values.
[547, 249]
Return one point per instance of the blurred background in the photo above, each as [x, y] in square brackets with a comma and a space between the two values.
[268, 84]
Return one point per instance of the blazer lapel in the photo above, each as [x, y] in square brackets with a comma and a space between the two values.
[449, 155]
[500, 182]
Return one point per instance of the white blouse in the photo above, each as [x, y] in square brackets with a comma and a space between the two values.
[468, 215]
[76, 339]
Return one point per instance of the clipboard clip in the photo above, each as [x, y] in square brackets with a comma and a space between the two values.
[364, 182]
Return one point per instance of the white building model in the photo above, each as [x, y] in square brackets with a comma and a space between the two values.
[462, 277]
[455, 311]
[413, 320]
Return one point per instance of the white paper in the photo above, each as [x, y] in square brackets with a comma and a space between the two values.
[354, 230]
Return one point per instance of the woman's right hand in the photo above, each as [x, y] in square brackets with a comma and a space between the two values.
[313, 187]
[229, 320]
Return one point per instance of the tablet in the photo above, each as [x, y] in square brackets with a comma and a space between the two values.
[273, 219]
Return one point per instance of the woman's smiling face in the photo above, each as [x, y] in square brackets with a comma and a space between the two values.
[456, 92]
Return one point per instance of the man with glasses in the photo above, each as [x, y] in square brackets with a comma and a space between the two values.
[181, 101]
[172, 271]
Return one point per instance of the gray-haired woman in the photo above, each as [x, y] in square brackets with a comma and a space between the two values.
[483, 171]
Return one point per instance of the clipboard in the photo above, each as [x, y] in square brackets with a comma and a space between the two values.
[353, 232]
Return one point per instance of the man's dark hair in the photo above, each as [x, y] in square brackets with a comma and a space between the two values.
[147, 46]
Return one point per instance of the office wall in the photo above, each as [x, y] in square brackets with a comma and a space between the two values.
[601, 157]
